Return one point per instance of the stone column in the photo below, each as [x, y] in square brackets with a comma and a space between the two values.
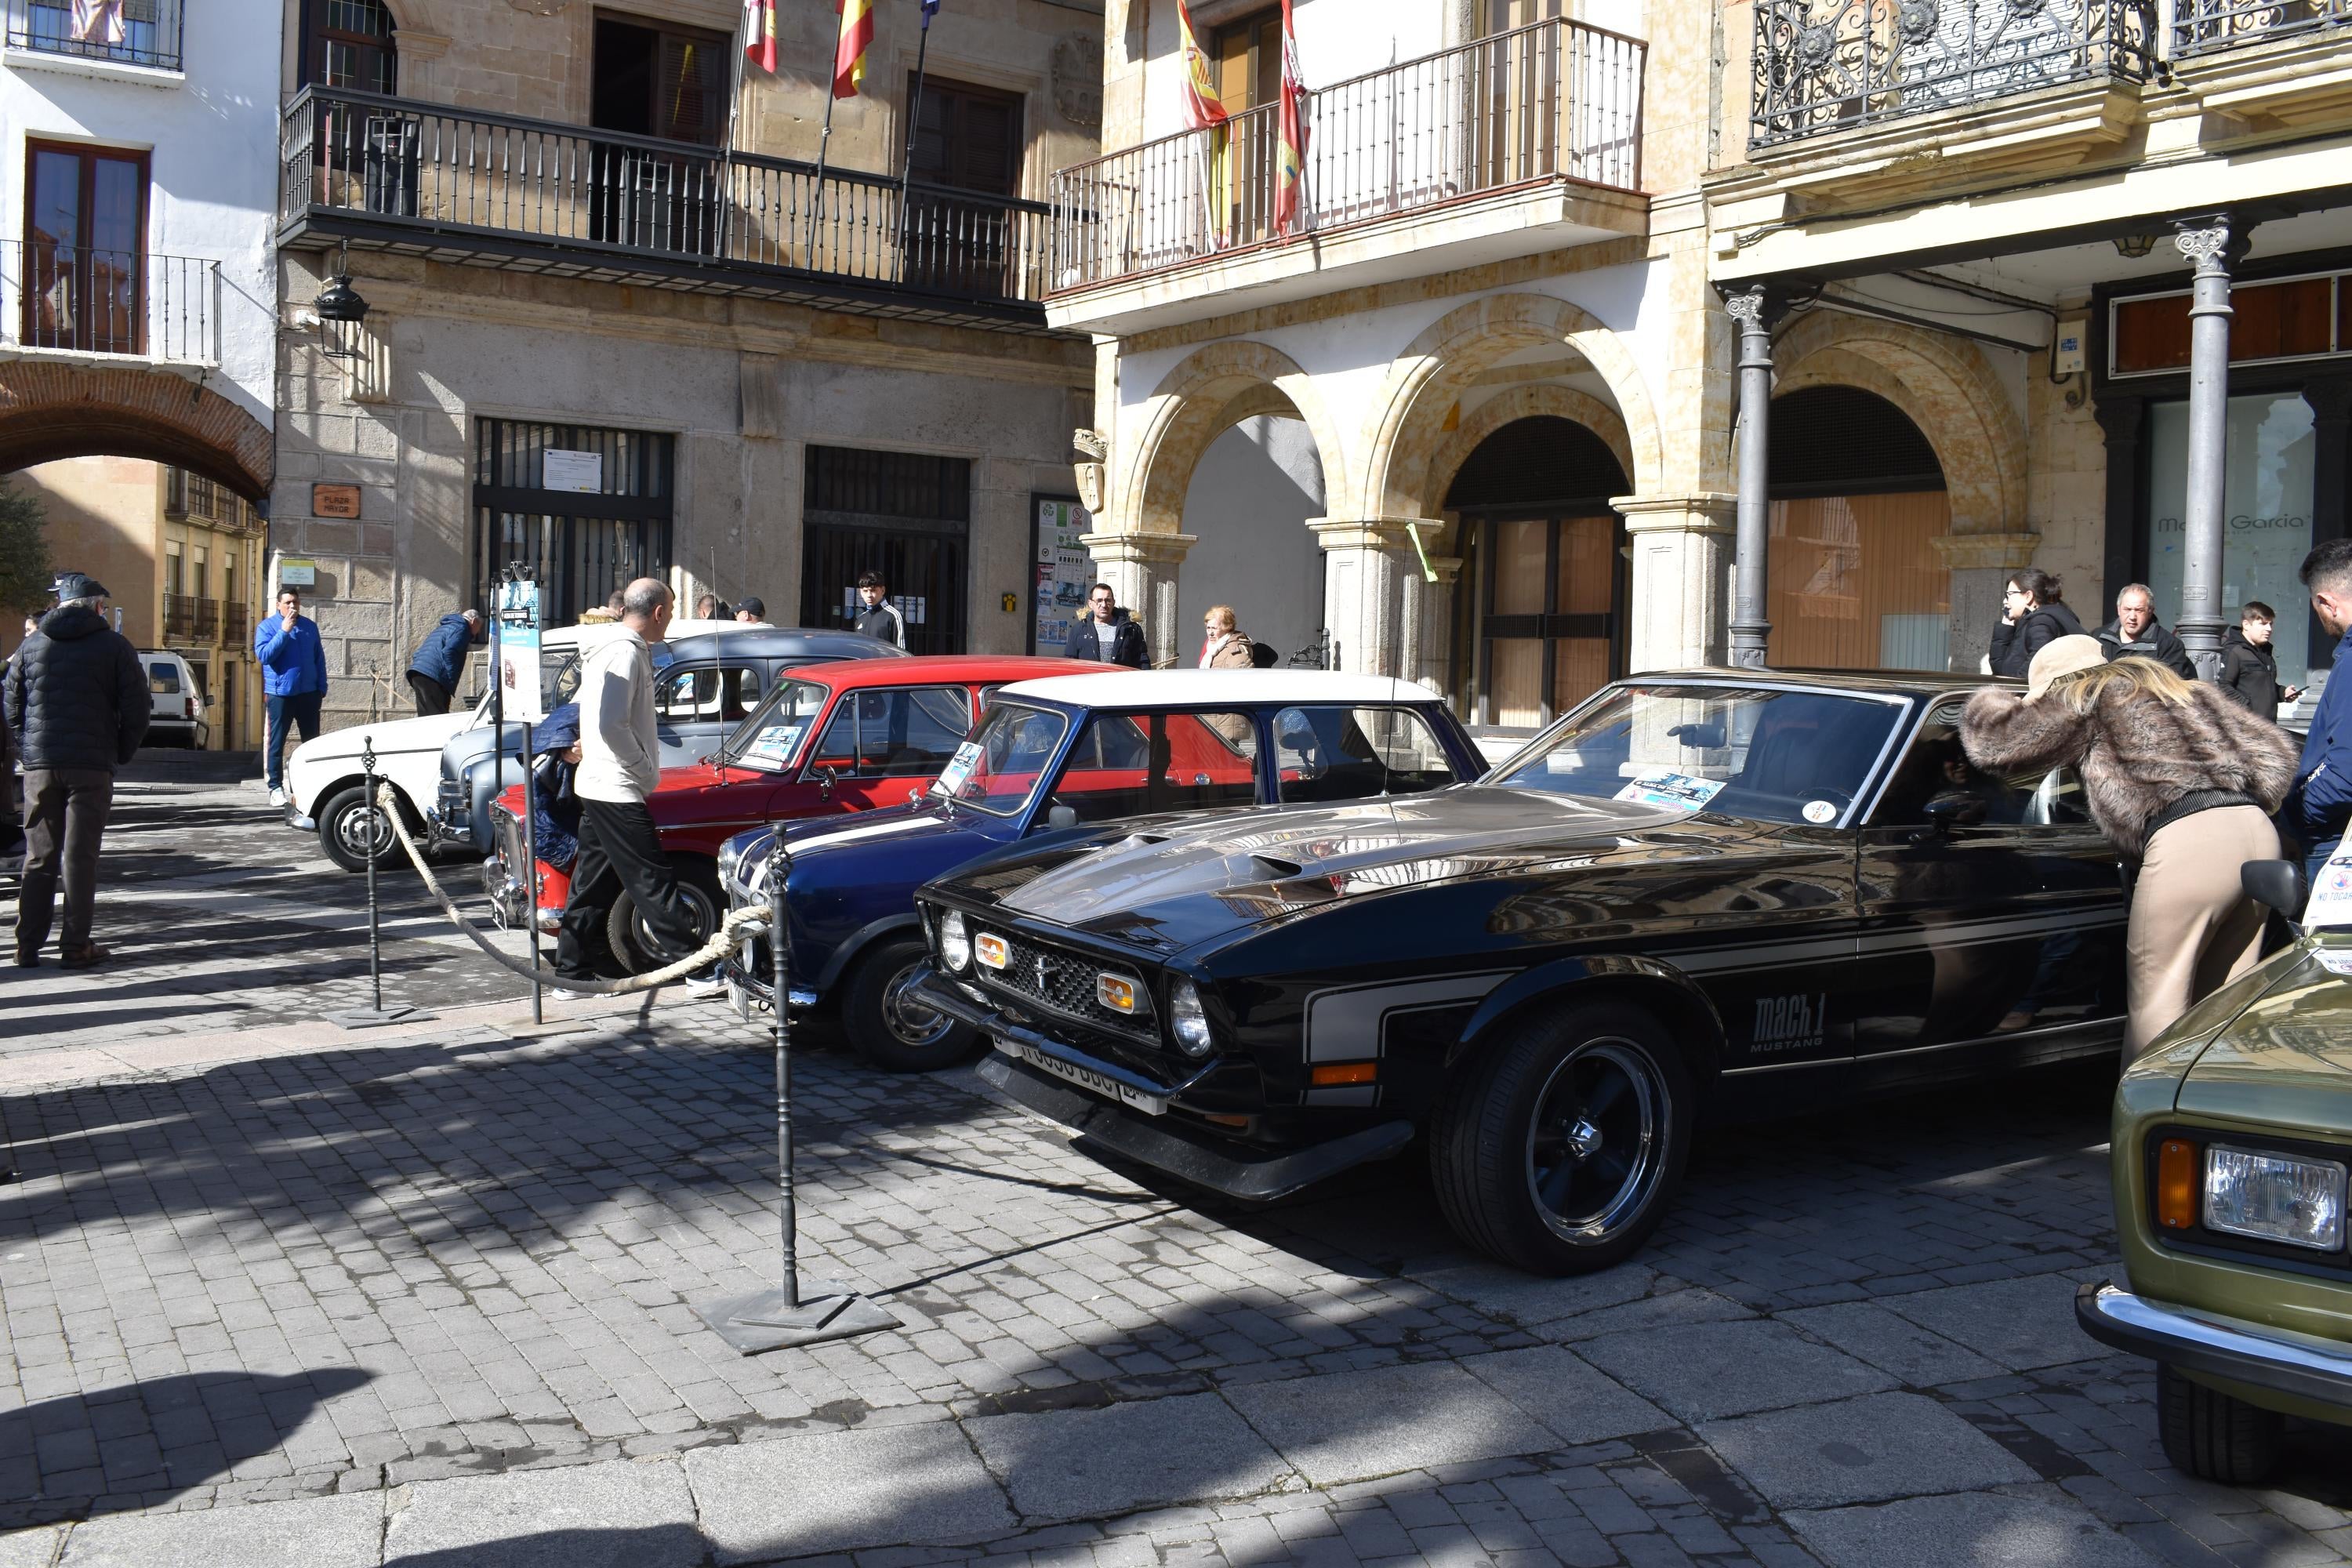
[2214, 245]
[1681, 558]
[1753, 312]
[1431, 620]
[1366, 566]
[1981, 566]
[1141, 569]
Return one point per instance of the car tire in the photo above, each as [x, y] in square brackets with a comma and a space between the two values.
[633, 944]
[345, 819]
[2213, 1437]
[890, 1031]
[1559, 1149]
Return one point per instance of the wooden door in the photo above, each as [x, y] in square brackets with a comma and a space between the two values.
[966, 139]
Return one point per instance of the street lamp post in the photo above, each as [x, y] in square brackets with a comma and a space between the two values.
[2214, 245]
[1753, 311]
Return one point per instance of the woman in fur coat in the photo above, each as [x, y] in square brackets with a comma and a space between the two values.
[2178, 777]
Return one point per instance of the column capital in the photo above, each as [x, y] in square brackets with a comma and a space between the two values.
[1702, 511]
[1373, 533]
[1138, 549]
[1997, 552]
[2118, 419]
[1754, 305]
[2215, 243]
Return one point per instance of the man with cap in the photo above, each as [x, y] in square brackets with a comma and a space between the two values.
[751, 609]
[77, 705]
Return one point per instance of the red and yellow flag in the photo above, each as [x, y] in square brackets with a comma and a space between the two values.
[850, 54]
[760, 34]
[1290, 157]
[1201, 110]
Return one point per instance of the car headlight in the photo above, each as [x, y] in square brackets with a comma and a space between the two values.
[730, 857]
[955, 941]
[1188, 1020]
[2275, 1197]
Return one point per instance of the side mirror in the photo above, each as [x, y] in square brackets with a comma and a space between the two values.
[825, 782]
[2278, 885]
[1061, 816]
[1942, 813]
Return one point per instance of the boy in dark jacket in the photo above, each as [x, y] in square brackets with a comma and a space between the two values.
[2250, 665]
[77, 705]
[440, 660]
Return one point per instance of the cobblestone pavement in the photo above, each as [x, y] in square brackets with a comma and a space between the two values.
[291, 1295]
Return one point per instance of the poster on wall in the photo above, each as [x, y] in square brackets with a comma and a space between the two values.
[518, 675]
[1063, 573]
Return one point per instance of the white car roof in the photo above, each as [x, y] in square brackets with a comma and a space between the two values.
[587, 633]
[1189, 688]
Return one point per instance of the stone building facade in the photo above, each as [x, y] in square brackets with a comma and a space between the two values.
[752, 382]
[1503, 335]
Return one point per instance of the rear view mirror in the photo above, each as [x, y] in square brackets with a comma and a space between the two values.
[1061, 816]
[1705, 737]
[2278, 885]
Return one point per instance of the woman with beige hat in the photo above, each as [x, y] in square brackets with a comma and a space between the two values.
[2180, 778]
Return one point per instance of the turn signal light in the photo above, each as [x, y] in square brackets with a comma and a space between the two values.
[992, 949]
[1332, 1075]
[1115, 994]
[2176, 1184]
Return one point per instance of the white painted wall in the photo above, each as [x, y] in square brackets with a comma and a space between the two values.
[210, 133]
[1252, 494]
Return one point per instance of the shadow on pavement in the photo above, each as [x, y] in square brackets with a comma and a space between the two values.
[654, 1546]
[140, 1445]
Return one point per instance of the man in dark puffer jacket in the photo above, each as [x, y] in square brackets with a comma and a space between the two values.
[77, 705]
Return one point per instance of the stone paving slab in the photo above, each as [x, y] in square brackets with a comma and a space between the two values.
[1151, 1453]
[1574, 1402]
[1895, 1345]
[919, 1485]
[307, 1532]
[1861, 1450]
[2013, 1322]
[1967, 1531]
[625, 1514]
[1355, 1426]
[1701, 1371]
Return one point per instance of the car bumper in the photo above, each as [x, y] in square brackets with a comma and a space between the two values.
[751, 993]
[2227, 1348]
[1046, 1076]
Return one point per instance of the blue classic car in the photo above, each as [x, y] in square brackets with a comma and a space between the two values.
[1062, 756]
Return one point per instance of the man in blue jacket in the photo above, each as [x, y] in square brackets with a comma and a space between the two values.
[440, 660]
[2321, 803]
[293, 678]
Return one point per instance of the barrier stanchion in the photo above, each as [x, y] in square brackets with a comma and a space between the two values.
[787, 1317]
[378, 1014]
[530, 871]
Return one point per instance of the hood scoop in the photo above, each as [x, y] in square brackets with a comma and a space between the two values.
[1274, 870]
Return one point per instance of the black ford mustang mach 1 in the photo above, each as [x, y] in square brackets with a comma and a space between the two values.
[1709, 895]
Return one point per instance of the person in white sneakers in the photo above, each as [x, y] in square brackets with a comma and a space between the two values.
[620, 765]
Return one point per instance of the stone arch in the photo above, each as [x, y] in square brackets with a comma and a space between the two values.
[1410, 412]
[50, 411]
[1943, 384]
[1214, 389]
[1522, 403]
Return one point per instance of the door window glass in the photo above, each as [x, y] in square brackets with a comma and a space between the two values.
[705, 694]
[2265, 515]
[770, 738]
[1133, 765]
[163, 678]
[1352, 753]
[998, 769]
[896, 734]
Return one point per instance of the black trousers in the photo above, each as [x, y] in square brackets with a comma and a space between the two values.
[64, 817]
[619, 850]
[432, 696]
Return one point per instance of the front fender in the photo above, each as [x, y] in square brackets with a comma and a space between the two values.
[850, 950]
[1685, 1007]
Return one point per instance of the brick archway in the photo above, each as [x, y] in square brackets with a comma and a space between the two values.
[50, 411]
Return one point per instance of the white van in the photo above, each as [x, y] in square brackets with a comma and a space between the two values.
[178, 719]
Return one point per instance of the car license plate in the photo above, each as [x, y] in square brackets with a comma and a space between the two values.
[739, 998]
[1085, 1078]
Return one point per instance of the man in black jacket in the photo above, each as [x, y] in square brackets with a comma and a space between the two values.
[2250, 665]
[1107, 635]
[77, 705]
[2135, 633]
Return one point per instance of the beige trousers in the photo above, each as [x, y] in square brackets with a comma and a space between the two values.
[2193, 930]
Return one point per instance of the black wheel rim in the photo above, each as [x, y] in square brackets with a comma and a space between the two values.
[700, 914]
[909, 1022]
[1598, 1141]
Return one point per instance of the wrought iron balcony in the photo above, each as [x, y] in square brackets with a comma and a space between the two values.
[190, 618]
[532, 195]
[2202, 27]
[140, 33]
[1827, 67]
[1552, 102]
[64, 299]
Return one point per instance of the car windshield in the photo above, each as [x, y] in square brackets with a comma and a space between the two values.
[999, 768]
[1767, 755]
[770, 737]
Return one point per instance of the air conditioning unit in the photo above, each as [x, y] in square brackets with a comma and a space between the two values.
[391, 165]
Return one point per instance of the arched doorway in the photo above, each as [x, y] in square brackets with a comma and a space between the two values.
[1858, 501]
[1251, 495]
[1540, 614]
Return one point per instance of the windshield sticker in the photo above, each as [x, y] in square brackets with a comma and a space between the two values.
[959, 768]
[2331, 894]
[777, 742]
[2334, 963]
[1819, 812]
[1679, 791]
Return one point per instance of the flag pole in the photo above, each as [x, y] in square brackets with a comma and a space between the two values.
[914, 123]
[734, 120]
[824, 137]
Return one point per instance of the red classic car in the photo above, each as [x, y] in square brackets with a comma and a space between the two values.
[829, 738]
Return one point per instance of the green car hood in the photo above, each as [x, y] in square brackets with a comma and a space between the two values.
[2287, 1060]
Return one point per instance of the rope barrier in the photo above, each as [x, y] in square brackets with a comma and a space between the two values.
[722, 942]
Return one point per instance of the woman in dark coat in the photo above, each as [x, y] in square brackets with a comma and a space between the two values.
[2033, 615]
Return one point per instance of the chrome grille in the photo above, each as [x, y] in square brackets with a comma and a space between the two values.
[1065, 982]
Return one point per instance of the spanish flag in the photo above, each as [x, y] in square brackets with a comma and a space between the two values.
[1290, 157]
[1201, 110]
[760, 34]
[849, 55]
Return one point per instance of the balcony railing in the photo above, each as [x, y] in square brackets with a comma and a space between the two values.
[137, 33]
[63, 297]
[2200, 27]
[1822, 68]
[1555, 101]
[608, 198]
[191, 618]
[236, 623]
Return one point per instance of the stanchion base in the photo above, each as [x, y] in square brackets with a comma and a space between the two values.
[764, 1320]
[377, 1017]
[524, 1030]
